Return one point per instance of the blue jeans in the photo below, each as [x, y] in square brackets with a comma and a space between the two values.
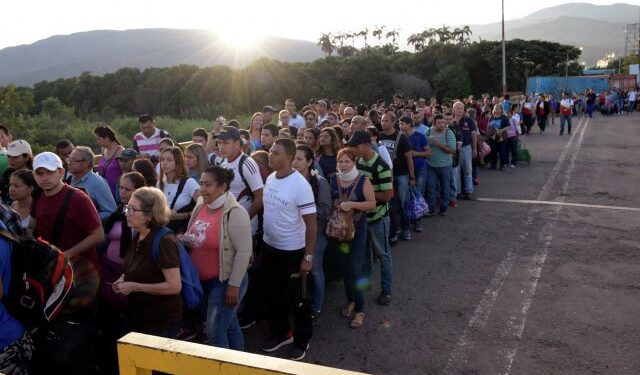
[401, 189]
[351, 257]
[512, 146]
[378, 241]
[223, 329]
[318, 272]
[454, 189]
[466, 163]
[620, 104]
[439, 181]
[563, 119]
[632, 106]
[590, 109]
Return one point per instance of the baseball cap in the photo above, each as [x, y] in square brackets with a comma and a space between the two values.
[229, 132]
[358, 138]
[128, 154]
[268, 108]
[47, 160]
[19, 147]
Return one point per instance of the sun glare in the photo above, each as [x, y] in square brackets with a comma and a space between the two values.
[240, 40]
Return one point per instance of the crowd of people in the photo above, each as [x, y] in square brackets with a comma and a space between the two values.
[258, 210]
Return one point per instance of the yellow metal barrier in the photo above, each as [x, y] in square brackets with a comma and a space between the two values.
[139, 354]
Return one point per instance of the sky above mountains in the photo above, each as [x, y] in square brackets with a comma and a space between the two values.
[28, 21]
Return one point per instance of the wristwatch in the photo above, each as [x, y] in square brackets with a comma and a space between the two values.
[308, 258]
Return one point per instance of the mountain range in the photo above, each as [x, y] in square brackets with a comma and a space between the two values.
[599, 29]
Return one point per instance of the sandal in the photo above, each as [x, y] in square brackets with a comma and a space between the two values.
[347, 311]
[355, 324]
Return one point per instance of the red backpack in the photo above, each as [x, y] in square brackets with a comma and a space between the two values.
[41, 278]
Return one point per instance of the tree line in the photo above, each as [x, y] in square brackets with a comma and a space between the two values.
[444, 63]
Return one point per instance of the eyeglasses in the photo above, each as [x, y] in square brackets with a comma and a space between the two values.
[129, 210]
[69, 160]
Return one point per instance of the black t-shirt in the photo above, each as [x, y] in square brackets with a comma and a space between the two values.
[400, 167]
[591, 98]
[463, 129]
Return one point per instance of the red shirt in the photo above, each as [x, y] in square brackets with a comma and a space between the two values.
[204, 234]
[81, 219]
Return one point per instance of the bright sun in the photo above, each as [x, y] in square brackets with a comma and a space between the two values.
[239, 39]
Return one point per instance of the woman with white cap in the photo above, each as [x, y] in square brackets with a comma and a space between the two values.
[20, 158]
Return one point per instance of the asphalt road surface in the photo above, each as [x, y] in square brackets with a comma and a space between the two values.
[504, 285]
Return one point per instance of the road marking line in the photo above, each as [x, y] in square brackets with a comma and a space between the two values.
[459, 355]
[558, 203]
[538, 260]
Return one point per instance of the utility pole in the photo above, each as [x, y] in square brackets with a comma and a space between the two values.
[504, 57]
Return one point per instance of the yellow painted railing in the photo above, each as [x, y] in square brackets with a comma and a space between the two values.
[139, 354]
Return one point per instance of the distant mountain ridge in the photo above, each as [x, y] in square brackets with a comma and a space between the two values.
[599, 29]
[105, 51]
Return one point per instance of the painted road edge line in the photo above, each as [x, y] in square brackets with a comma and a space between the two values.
[558, 203]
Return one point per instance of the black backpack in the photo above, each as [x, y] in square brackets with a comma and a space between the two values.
[41, 278]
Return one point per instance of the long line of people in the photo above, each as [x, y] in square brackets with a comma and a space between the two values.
[262, 213]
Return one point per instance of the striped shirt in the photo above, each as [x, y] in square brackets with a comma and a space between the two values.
[149, 145]
[379, 174]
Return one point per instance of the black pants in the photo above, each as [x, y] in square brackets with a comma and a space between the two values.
[498, 148]
[284, 295]
[542, 122]
[254, 303]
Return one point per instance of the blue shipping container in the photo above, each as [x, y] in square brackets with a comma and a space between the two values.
[557, 85]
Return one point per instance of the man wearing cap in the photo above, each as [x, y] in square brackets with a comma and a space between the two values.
[247, 183]
[81, 167]
[267, 114]
[20, 157]
[126, 158]
[371, 165]
[247, 187]
[80, 230]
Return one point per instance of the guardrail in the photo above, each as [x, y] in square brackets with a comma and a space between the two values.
[140, 354]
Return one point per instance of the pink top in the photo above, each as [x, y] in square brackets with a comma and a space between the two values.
[114, 236]
[204, 234]
[110, 171]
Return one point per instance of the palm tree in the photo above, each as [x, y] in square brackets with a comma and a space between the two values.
[377, 32]
[364, 34]
[326, 44]
[417, 40]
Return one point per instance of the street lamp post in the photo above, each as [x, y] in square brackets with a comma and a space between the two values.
[504, 58]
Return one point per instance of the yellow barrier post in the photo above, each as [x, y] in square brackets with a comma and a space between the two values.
[139, 354]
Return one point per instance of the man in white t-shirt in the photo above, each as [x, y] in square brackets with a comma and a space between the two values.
[633, 93]
[296, 119]
[323, 113]
[247, 184]
[287, 253]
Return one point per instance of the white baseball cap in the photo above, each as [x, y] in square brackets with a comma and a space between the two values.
[47, 160]
[19, 147]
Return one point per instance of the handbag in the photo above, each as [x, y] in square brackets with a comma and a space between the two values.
[416, 206]
[341, 224]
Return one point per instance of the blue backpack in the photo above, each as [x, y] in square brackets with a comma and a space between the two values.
[192, 293]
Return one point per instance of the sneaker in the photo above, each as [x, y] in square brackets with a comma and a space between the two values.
[502, 169]
[512, 166]
[315, 318]
[443, 213]
[384, 299]
[431, 213]
[274, 344]
[406, 236]
[393, 240]
[297, 353]
[418, 227]
[466, 196]
[186, 334]
[246, 323]
[453, 204]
